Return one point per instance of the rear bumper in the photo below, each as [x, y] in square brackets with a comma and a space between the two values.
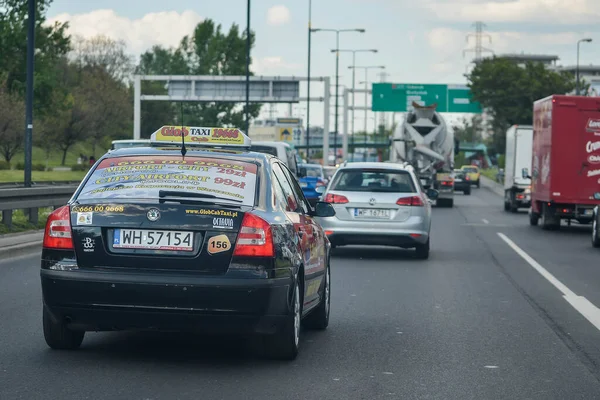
[95, 301]
[406, 234]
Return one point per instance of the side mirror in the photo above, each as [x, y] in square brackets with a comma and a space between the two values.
[320, 189]
[432, 194]
[596, 196]
[324, 210]
[525, 173]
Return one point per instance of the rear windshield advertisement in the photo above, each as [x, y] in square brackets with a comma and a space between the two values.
[142, 177]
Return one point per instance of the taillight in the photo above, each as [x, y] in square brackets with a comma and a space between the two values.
[414, 201]
[58, 230]
[336, 199]
[447, 183]
[255, 238]
[467, 178]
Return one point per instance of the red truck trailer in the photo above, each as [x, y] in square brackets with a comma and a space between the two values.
[565, 173]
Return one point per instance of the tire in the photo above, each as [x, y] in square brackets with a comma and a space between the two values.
[284, 345]
[422, 251]
[450, 203]
[595, 233]
[478, 184]
[467, 192]
[506, 206]
[58, 336]
[533, 218]
[319, 318]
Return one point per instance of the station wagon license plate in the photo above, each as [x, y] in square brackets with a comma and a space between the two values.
[153, 240]
[372, 213]
[303, 184]
[458, 180]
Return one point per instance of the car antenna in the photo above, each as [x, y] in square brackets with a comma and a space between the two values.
[183, 149]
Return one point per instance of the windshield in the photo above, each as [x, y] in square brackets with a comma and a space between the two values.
[126, 145]
[378, 180]
[329, 172]
[142, 177]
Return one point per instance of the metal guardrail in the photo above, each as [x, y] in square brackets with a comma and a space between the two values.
[33, 198]
[36, 184]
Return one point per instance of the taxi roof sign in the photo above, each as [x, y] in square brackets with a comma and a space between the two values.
[200, 136]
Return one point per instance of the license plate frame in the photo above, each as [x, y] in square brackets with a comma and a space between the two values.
[303, 185]
[377, 213]
[162, 240]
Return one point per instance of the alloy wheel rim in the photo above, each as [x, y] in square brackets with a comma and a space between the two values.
[296, 317]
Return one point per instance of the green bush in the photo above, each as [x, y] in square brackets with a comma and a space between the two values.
[20, 166]
[501, 161]
[4, 165]
[38, 167]
[79, 167]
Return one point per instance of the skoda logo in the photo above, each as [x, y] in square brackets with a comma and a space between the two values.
[153, 215]
[372, 201]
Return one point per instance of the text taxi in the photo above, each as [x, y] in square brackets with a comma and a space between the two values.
[185, 236]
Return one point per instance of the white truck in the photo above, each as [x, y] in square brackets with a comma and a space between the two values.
[519, 150]
[425, 141]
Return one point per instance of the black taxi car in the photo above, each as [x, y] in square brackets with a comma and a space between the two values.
[192, 233]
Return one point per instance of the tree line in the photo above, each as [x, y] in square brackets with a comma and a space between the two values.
[83, 90]
[507, 92]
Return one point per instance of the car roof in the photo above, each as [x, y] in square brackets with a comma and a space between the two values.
[131, 141]
[374, 165]
[310, 165]
[239, 155]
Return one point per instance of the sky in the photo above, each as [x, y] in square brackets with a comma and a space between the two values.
[417, 41]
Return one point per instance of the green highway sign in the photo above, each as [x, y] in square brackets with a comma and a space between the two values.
[392, 97]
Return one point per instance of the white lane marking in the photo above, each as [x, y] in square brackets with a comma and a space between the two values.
[485, 221]
[579, 303]
[490, 366]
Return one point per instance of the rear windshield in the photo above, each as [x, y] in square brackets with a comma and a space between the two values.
[142, 177]
[314, 172]
[470, 169]
[125, 145]
[378, 180]
[266, 150]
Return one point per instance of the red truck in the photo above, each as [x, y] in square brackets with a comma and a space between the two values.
[565, 173]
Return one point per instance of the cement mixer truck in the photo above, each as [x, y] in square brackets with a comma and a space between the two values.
[424, 141]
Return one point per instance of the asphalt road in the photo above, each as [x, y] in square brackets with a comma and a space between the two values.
[475, 321]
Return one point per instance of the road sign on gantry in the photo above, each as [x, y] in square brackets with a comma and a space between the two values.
[392, 97]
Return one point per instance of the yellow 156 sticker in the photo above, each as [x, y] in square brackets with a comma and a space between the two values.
[218, 244]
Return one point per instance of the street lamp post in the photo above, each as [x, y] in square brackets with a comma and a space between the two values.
[353, 84]
[337, 86]
[588, 40]
[248, 44]
[308, 89]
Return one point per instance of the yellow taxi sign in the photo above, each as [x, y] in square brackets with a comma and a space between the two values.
[201, 136]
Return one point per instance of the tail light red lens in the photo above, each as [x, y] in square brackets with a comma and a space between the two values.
[447, 183]
[467, 178]
[255, 238]
[336, 199]
[58, 233]
[413, 201]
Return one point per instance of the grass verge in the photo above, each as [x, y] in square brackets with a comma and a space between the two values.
[42, 176]
[20, 222]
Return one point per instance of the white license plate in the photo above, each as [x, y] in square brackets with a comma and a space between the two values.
[458, 180]
[303, 184]
[372, 213]
[153, 240]
[588, 212]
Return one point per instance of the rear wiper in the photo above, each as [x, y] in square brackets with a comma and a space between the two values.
[183, 195]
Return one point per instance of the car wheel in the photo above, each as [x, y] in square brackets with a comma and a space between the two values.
[58, 336]
[450, 203]
[422, 251]
[467, 192]
[478, 184]
[284, 344]
[595, 233]
[319, 318]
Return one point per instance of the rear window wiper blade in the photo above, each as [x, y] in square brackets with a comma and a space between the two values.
[162, 194]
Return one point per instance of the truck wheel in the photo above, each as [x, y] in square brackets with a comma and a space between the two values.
[533, 218]
[595, 233]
